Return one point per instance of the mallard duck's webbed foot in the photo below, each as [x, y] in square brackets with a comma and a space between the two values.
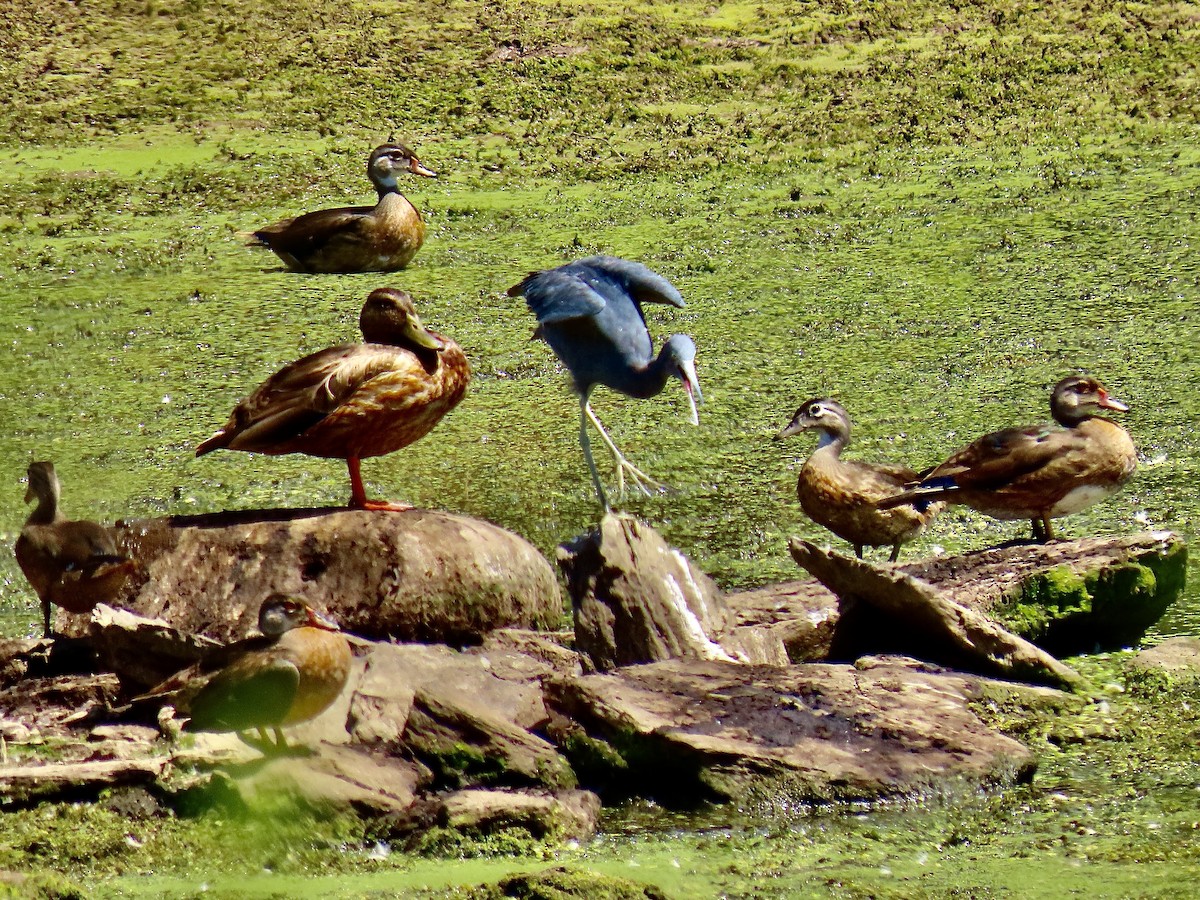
[358, 493]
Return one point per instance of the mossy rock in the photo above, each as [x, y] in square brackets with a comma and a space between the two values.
[1170, 670]
[39, 886]
[1069, 609]
[564, 883]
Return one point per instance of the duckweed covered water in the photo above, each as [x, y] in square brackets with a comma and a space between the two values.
[930, 213]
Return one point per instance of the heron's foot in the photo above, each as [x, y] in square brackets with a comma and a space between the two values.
[639, 479]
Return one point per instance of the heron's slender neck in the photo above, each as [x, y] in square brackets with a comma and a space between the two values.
[650, 381]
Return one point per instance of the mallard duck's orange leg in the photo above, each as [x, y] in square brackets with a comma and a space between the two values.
[358, 494]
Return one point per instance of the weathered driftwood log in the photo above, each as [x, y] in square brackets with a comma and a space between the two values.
[885, 610]
[29, 784]
[1065, 596]
[415, 575]
[636, 600]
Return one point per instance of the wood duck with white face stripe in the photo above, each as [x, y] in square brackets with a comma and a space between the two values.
[841, 494]
[1040, 472]
[380, 238]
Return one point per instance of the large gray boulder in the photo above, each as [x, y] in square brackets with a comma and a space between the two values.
[409, 576]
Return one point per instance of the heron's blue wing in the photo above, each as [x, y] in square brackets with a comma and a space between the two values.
[640, 282]
[557, 295]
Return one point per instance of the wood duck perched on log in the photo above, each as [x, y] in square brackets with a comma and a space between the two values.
[380, 238]
[355, 400]
[590, 313]
[841, 494]
[72, 564]
[290, 673]
[1040, 472]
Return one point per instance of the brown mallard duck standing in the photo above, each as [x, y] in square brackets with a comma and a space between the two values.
[290, 673]
[841, 494]
[1041, 472]
[71, 564]
[380, 238]
[355, 400]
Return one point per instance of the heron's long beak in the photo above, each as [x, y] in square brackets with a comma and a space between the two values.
[1107, 402]
[691, 387]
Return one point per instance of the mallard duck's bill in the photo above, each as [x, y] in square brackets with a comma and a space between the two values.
[419, 335]
[417, 169]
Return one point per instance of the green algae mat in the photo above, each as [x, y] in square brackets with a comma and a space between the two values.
[931, 212]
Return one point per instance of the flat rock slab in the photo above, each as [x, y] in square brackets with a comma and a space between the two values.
[22, 785]
[1067, 597]
[1072, 596]
[563, 815]
[341, 778]
[885, 608]
[687, 730]
[412, 576]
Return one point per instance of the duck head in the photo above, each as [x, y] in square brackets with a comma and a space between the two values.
[280, 613]
[388, 161]
[823, 414]
[1077, 397]
[389, 317]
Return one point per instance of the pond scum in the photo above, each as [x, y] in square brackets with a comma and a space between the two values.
[931, 211]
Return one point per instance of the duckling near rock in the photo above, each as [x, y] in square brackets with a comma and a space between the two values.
[1040, 472]
[71, 564]
[841, 494]
[355, 400]
[380, 238]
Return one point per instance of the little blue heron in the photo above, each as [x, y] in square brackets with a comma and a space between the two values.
[590, 313]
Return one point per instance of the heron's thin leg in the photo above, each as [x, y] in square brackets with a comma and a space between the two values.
[586, 443]
[641, 480]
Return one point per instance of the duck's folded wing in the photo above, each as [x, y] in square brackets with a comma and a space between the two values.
[257, 690]
[1000, 458]
[302, 394]
[310, 232]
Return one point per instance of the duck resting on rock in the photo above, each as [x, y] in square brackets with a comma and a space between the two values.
[71, 564]
[380, 238]
[1040, 472]
[841, 494]
[288, 674]
[355, 400]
